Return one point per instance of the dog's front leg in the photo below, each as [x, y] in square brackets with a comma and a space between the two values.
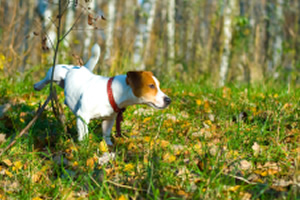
[107, 125]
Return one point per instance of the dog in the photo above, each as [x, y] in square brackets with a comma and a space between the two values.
[92, 96]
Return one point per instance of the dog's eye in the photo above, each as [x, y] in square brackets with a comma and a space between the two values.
[152, 86]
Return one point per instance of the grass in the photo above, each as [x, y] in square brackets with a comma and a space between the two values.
[226, 143]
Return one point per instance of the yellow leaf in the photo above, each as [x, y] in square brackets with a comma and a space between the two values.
[147, 138]
[146, 119]
[207, 107]
[90, 163]
[37, 198]
[182, 193]
[18, 165]
[131, 146]
[208, 122]
[164, 143]
[103, 146]
[36, 177]
[275, 95]
[234, 188]
[198, 102]
[128, 167]
[75, 164]
[122, 197]
[169, 158]
[8, 173]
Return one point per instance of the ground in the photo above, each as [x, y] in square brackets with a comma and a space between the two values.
[234, 142]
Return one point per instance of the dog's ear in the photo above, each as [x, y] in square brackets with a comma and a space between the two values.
[133, 76]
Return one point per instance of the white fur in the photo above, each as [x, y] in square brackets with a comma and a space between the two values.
[61, 70]
[86, 95]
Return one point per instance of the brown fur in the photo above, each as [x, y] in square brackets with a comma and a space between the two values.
[142, 84]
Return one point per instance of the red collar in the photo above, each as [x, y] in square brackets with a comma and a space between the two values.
[115, 107]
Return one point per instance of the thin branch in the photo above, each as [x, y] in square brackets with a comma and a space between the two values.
[71, 28]
[125, 186]
[57, 45]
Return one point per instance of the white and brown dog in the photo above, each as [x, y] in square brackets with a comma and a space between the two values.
[92, 96]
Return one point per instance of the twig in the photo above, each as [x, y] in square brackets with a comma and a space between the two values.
[241, 179]
[125, 186]
[58, 112]
[38, 113]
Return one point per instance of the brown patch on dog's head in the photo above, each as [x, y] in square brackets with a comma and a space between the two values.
[142, 84]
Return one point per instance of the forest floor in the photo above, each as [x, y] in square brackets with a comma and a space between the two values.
[225, 143]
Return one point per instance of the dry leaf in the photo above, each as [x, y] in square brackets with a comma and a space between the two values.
[234, 188]
[7, 162]
[90, 163]
[167, 157]
[17, 165]
[2, 138]
[256, 148]
[103, 146]
[245, 165]
[122, 197]
[90, 19]
[128, 167]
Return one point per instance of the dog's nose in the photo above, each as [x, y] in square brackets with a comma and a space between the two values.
[167, 100]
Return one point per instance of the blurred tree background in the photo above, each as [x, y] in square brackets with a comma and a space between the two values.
[216, 40]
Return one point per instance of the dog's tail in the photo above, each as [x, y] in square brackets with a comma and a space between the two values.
[91, 63]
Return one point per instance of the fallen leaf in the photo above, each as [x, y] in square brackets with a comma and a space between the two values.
[122, 197]
[198, 102]
[7, 162]
[8, 173]
[90, 163]
[234, 188]
[128, 167]
[17, 165]
[103, 146]
[256, 149]
[167, 157]
[245, 165]
[2, 138]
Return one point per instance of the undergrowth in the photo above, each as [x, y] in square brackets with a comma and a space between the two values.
[233, 142]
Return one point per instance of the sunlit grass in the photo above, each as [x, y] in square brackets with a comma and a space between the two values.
[211, 143]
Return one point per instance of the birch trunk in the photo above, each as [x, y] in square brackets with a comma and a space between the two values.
[277, 45]
[171, 33]
[110, 28]
[88, 33]
[138, 43]
[69, 22]
[45, 12]
[148, 31]
[229, 10]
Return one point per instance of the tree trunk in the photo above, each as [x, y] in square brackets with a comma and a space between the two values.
[69, 22]
[171, 33]
[88, 33]
[274, 37]
[229, 12]
[110, 28]
[148, 31]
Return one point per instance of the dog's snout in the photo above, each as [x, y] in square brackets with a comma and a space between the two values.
[167, 100]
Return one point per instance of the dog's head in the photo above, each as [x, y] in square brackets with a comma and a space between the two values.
[146, 87]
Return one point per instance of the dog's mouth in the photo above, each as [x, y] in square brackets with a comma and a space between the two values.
[155, 106]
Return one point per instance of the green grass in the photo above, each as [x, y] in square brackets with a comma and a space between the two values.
[201, 147]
